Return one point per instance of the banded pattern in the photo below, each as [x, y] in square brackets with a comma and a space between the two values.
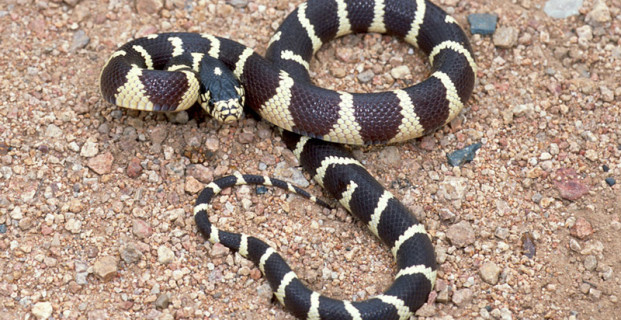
[346, 179]
[280, 90]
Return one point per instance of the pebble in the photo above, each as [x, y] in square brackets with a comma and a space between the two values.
[131, 254]
[366, 76]
[141, 229]
[505, 37]
[200, 173]
[16, 213]
[165, 255]
[461, 234]
[529, 248]
[482, 23]
[490, 272]
[238, 3]
[561, 9]
[462, 297]
[53, 131]
[162, 301]
[74, 226]
[149, 7]
[599, 15]
[390, 155]
[101, 164]
[453, 188]
[192, 186]
[106, 268]
[218, 250]
[134, 169]
[459, 157]
[89, 149]
[80, 40]
[610, 181]
[42, 310]
[581, 229]
[568, 185]
[2, 228]
[400, 72]
[590, 262]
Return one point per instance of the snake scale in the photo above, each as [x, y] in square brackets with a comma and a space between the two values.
[172, 71]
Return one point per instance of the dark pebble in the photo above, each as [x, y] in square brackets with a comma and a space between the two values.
[3, 228]
[610, 181]
[529, 248]
[482, 23]
[459, 157]
[44, 148]
[261, 190]
[605, 168]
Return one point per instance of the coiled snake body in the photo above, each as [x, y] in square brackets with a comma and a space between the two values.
[170, 72]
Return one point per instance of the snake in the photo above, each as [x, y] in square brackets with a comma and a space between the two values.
[173, 71]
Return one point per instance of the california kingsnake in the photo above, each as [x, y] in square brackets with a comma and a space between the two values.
[279, 89]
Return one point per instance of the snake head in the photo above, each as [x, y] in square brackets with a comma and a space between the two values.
[221, 95]
[225, 110]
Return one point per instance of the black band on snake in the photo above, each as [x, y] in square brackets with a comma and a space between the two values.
[217, 73]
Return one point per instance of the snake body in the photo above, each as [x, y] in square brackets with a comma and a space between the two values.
[279, 89]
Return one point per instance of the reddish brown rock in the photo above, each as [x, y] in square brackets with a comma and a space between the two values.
[581, 229]
[568, 184]
[134, 169]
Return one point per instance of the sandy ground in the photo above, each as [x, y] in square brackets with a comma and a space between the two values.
[95, 207]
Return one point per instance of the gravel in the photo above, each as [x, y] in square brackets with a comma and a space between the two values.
[86, 184]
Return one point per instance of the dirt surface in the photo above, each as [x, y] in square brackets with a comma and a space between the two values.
[96, 202]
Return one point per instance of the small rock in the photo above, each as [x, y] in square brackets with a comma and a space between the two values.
[134, 169]
[529, 248]
[482, 23]
[42, 310]
[400, 72]
[192, 185]
[453, 188]
[89, 149]
[338, 72]
[141, 229]
[80, 40]
[590, 262]
[427, 311]
[131, 254]
[238, 3]
[581, 229]
[366, 76]
[460, 234]
[599, 15]
[200, 173]
[101, 164]
[165, 255]
[459, 157]
[390, 155]
[16, 213]
[462, 297]
[53, 131]
[569, 186]
[71, 3]
[162, 301]
[218, 250]
[149, 6]
[561, 9]
[490, 272]
[74, 226]
[610, 181]
[505, 37]
[105, 268]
